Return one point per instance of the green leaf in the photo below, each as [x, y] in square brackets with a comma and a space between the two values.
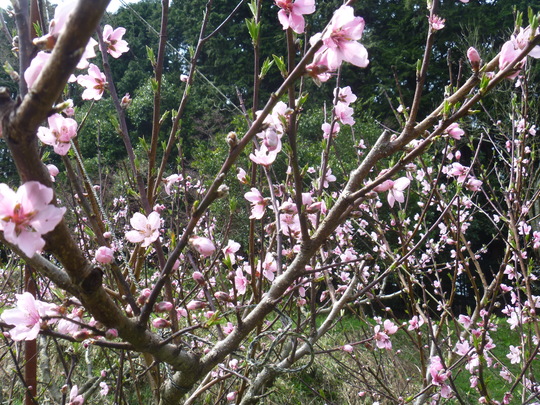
[254, 29]
[280, 64]
[151, 56]
[253, 8]
[267, 64]
[37, 28]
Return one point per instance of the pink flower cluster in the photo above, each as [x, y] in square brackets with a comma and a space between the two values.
[291, 13]
[27, 316]
[340, 44]
[27, 214]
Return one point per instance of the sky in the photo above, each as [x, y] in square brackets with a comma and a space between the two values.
[113, 5]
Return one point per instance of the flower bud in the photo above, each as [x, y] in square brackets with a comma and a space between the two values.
[199, 278]
[160, 323]
[232, 139]
[163, 306]
[81, 335]
[474, 58]
[196, 305]
[223, 296]
[104, 255]
[111, 334]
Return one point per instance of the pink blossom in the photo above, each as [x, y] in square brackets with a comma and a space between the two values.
[94, 82]
[59, 134]
[231, 396]
[340, 41]
[381, 338]
[241, 175]
[390, 327]
[203, 245]
[116, 46]
[104, 255]
[290, 15]
[240, 282]
[508, 54]
[396, 192]
[36, 66]
[27, 316]
[74, 397]
[172, 179]
[269, 266]
[67, 326]
[230, 250]
[514, 355]
[328, 178]
[104, 388]
[521, 40]
[463, 348]
[263, 156]
[88, 53]
[473, 184]
[145, 229]
[454, 131]
[459, 171]
[258, 203]
[326, 127]
[415, 323]
[344, 113]
[345, 95]
[27, 214]
[436, 22]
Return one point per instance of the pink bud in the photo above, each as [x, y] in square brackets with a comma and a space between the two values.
[53, 171]
[203, 245]
[81, 335]
[107, 235]
[474, 58]
[196, 305]
[231, 396]
[223, 296]
[184, 78]
[104, 255]
[161, 323]
[144, 296]
[199, 278]
[163, 306]
[111, 334]
[347, 348]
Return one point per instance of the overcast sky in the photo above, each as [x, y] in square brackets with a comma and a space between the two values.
[113, 5]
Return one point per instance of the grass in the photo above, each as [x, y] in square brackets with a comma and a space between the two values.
[339, 377]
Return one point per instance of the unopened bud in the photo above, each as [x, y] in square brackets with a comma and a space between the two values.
[196, 305]
[163, 306]
[111, 334]
[232, 139]
[199, 278]
[223, 296]
[474, 58]
[81, 335]
[160, 323]
[223, 191]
